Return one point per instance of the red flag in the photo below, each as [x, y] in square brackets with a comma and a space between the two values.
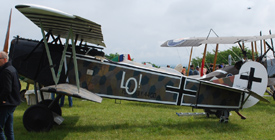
[129, 58]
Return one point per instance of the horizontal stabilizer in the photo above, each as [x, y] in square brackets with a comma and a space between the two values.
[71, 90]
[257, 96]
[253, 94]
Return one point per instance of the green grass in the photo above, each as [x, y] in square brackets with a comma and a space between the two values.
[136, 120]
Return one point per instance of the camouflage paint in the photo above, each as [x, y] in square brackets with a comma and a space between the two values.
[124, 81]
[218, 97]
[228, 81]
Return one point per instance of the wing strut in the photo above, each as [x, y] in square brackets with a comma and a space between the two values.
[243, 50]
[74, 60]
[203, 58]
[56, 77]
[49, 55]
[215, 58]
[252, 49]
[189, 61]
[255, 45]
[261, 44]
[271, 40]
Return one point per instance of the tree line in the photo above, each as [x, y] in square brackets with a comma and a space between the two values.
[111, 56]
[222, 56]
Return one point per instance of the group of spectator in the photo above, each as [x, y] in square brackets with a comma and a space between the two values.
[196, 70]
[216, 68]
[192, 71]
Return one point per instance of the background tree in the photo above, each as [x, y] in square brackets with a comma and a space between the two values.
[111, 55]
[222, 57]
[154, 65]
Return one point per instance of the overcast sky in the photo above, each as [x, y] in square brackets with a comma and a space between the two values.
[139, 27]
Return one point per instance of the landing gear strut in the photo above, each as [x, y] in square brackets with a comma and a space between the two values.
[224, 118]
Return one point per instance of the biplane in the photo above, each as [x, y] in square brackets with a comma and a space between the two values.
[79, 69]
[268, 62]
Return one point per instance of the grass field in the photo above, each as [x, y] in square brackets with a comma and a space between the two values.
[136, 120]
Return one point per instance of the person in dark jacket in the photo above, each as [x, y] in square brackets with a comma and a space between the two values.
[196, 71]
[9, 96]
[191, 71]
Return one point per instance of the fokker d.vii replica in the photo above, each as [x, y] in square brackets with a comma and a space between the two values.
[80, 70]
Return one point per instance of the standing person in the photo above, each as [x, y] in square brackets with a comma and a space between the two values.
[69, 99]
[204, 71]
[229, 60]
[191, 71]
[196, 71]
[217, 67]
[183, 71]
[210, 68]
[53, 96]
[9, 96]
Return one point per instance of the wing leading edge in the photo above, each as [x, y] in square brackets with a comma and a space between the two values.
[197, 41]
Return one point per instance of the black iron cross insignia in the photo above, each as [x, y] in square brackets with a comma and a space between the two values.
[251, 78]
[180, 90]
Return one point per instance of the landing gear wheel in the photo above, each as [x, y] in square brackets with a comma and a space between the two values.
[38, 118]
[224, 120]
[22, 95]
[56, 108]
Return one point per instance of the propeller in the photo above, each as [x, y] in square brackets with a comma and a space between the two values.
[6, 45]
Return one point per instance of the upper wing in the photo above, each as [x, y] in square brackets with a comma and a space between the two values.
[197, 41]
[59, 23]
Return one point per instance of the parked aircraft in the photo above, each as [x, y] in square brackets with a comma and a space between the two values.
[268, 62]
[80, 70]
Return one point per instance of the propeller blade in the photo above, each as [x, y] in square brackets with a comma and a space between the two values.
[6, 45]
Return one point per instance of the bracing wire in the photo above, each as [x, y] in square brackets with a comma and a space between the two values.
[179, 56]
[235, 54]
